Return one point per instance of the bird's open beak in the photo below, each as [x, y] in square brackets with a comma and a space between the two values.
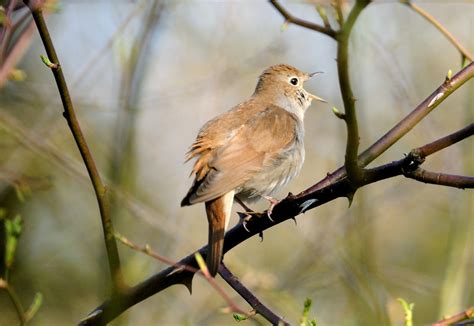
[314, 73]
[314, 97]
[317, 98]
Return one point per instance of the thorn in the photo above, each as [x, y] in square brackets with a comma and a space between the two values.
[350, 197]
[260, 234]
[290, 196]
[188, 283]
[294, 220]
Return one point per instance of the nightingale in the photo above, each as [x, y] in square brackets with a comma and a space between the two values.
[250, 151]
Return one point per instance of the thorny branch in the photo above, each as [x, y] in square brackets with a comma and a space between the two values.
[404, 125]
[327, 30]
[334, 186]
[351, 164]
[251, 299]
[288, 208]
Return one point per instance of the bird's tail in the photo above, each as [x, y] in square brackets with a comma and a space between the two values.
[218, 215]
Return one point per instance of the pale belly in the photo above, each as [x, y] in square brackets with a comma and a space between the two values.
[275, 175]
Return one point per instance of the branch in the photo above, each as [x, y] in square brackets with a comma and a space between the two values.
[286, 209]
[354, 172]
[327, 30]
[70, 116]
[446, 141]
[405, 125]
[468, 313]
[337, 4]
[442, 179]
[248, 296]
[464, 52]
[20, 311]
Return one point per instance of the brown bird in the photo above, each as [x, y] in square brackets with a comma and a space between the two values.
[250, 151]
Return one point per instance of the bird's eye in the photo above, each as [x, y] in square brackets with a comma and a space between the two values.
[294, 81]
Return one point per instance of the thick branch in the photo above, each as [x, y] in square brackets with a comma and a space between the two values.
[70, 115]
[350, 117]
[248, 296]
[405, 125]
[288, 208]
[303, 23]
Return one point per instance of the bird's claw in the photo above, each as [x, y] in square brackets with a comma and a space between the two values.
[244, 218]
[273, 203]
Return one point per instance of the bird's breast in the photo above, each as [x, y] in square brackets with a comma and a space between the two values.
[276, 173]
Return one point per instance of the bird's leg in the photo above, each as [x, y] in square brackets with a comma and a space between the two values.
[244, 216]
[273, 202]
[245, 207]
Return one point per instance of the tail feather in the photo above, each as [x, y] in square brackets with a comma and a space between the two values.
[218, 214]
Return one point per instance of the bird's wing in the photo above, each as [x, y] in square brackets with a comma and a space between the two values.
[243, 153]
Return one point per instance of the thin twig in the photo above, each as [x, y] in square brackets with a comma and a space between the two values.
[442, 179]
[15, 53]
[150, 252]
[468, 313]
[70, 115]
[248, 296]
[446, 141]
[464, 52]
[327, 30]
[337, 5]
[20, 311]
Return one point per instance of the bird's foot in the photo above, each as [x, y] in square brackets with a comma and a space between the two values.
[246, 217]
[273, 203]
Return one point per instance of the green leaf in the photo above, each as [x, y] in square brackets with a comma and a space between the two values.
[201, 263]
[239, 317]
[13, 228]
[35, 306]
[464, 61]
[449, 75]
[284, 26]
[408, 310]
[338, 113]
[48, 63]
[3, 16]
[304, 317]
[17, 75]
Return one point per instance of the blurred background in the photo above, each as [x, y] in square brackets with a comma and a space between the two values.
[146, 75]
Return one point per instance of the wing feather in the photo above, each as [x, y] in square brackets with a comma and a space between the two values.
[226, 164]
